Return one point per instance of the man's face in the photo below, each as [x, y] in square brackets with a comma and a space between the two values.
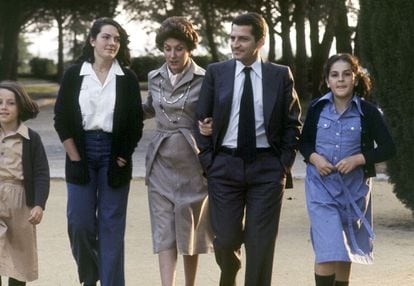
[243, 44]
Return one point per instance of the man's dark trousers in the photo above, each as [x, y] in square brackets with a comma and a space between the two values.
[245, 201]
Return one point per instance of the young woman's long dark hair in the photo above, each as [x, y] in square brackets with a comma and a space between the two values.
[123, 56]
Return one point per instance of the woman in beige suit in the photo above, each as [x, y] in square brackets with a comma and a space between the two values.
[177, 190]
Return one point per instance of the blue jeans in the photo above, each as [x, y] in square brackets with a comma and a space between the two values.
[96, 216]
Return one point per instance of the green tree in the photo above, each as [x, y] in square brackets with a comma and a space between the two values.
[17, 14]
[68, 13]
[206, 15]
[386, 41]
[13, 16]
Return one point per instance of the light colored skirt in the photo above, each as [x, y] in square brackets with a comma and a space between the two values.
[18, 250]
[177, 193]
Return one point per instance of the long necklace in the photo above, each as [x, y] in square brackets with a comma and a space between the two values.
[185, 94]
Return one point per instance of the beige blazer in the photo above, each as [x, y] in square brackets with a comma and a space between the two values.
[161, 104]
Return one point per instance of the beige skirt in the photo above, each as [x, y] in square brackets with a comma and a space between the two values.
[178, 202]
[18, 251]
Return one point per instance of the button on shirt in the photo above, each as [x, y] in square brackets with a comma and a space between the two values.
[230, 138]
[11, 152]
[97, 100]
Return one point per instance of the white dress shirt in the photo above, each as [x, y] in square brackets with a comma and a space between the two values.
[97, 100]
[230, 138]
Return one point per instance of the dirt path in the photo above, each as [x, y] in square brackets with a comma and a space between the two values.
[394, 246]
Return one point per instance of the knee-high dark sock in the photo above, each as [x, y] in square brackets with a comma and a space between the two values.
[337, 283]
[14, 282]
[325, 280]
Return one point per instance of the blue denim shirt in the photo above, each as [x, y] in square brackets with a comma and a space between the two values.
[376, 142]
[339, 135]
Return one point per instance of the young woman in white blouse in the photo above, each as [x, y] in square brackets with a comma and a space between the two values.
[98, 117]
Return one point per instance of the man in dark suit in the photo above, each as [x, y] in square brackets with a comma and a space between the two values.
[249, 155]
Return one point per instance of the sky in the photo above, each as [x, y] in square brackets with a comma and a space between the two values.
[44, 44]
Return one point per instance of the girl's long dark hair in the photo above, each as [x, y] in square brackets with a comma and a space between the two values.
[363, 86]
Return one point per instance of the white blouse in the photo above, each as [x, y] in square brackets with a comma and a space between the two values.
[97, 100]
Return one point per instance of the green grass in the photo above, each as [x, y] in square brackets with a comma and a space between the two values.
[41, 89]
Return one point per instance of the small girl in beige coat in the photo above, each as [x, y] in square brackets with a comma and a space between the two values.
[24, 185]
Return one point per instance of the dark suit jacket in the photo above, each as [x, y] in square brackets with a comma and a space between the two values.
[127, 125]
[281, 110]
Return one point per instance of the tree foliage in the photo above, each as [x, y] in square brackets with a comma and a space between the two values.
[13, 16]
[387, 39]
[327, 20]
[16, 14]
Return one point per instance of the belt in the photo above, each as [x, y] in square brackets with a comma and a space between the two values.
[234, 152]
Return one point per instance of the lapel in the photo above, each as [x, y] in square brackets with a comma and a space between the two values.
[225, 85]
[192, 70]
[269, 82]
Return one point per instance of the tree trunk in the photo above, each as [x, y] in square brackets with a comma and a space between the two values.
[268, 15]
[301, 68]
[9, 56]
[60, 63]
[320, 51]
[342, 30]
[287, 53]
[208, 15]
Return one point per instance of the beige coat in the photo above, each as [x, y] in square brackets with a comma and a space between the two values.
[158, 81]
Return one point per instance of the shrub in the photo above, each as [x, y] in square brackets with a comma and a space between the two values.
[42, 67]
[143, 65]
[387, 50]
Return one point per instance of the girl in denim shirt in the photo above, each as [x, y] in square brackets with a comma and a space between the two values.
[343, 137]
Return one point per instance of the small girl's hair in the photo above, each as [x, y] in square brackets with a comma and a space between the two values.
[363, 86]
[27, 108]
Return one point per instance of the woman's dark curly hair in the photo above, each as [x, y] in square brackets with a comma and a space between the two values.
[26, 107]
[177, 28]
[363, 82]
[123, 56]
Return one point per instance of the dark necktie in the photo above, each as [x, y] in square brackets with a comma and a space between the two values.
[246, 140]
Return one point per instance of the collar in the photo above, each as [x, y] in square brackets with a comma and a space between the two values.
[22, 130]
[87, 69]
[193, 69]
[256, 67]
[186, 68]
[329, 98]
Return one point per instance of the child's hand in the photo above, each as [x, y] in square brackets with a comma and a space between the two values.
[348, 164]
[322, 165]
[36, 215]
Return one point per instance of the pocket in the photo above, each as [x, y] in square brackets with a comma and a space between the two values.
[76, 172]
[119, 176]
[324, 130]
[352, 132]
